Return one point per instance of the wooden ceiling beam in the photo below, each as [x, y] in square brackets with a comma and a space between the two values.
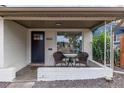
[60, 18]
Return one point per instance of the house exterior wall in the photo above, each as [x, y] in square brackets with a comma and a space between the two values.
[17, 42]
[1, 43]
[50, 44]
[15, 45]
[15, 49]
[118, 34]
[52, 33]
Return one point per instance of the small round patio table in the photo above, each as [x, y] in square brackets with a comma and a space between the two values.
[70, 57]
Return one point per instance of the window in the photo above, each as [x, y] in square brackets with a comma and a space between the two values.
[118, 36]
[38, 37]
[69, 42]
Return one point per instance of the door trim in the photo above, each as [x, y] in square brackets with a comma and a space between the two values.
[42, 63]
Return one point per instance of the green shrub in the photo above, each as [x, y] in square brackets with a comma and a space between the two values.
[98, 47]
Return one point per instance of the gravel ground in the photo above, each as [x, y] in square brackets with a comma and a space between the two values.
[119, 69]
[118, 82]
[4, 84]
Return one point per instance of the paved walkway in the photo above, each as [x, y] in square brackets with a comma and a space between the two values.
[119, 69]
[21, 85]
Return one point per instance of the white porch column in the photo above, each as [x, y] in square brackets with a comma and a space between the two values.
[112, 48]
[87, 45]
[105, 46]
[1, 42]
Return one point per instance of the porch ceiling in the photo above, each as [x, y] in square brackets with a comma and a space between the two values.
[58, 24]
[117, 12]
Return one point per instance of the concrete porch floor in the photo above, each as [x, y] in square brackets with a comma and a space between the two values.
[28, 73]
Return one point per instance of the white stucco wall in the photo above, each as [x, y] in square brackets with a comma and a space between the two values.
[52, 33]
[50, 44]
[1, 43]
[88, 43]
[15, 45]
[71, 73]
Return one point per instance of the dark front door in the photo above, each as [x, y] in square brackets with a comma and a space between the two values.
[37, 43]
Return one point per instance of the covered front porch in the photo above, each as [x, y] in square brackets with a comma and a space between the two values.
[20, 30]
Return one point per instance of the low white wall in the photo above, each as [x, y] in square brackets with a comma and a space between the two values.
[7, 74]
[71, 73]
[15, 45]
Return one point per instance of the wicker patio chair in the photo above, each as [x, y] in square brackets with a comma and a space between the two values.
[82, 58]
[58, 58]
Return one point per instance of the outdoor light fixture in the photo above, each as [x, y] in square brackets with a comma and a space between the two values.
[58, 24]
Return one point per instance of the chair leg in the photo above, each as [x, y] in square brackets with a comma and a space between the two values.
[61, 64]
[75, 63]
[65, 63]
[86, 65]
[72, 64]
[68, 64]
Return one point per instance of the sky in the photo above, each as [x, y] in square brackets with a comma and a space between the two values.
[75, 3]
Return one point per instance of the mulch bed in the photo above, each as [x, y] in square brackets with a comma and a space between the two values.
[118, 69]
[4, 84]
[118, 82]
